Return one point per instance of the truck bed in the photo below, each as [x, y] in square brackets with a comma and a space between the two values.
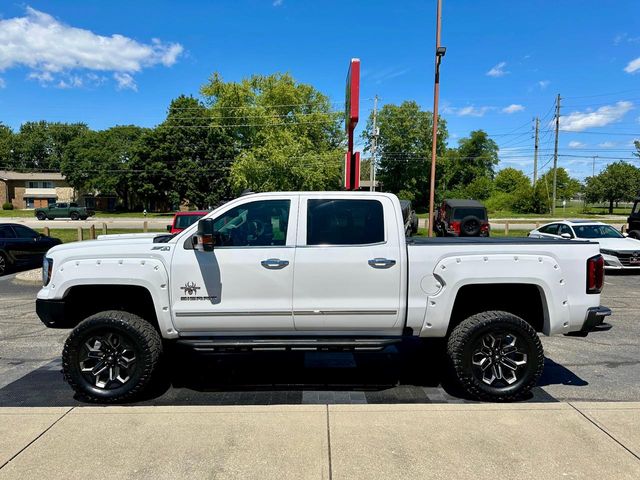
[492, 241]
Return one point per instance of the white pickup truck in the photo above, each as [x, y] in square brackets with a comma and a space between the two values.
[315, 271]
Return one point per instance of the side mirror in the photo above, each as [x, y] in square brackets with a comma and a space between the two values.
[566, 235]
[168, 228]
[205, 238]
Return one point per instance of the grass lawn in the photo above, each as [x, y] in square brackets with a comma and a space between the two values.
[70, 235]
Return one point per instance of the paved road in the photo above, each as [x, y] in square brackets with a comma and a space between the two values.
[601, 367]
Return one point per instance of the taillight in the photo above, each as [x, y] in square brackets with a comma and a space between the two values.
[47, 270]
[595, 274]
[484, 227]
[455, 226]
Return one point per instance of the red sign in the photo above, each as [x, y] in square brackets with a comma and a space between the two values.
[352, 97]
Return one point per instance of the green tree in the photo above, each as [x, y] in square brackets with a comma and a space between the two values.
[7, 143]
[510, 179]
[41, 145]
[185, 158]
[101, 161]
[477, 156]
[404, 149]
[620, 181]
[566, 187]
[286, 134]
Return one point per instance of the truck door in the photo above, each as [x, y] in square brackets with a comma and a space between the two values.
[348, 268]
[246, 283]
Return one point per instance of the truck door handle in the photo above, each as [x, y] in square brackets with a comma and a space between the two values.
[274, 263]
[381, 263]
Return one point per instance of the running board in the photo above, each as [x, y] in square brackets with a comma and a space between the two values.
[287, 344]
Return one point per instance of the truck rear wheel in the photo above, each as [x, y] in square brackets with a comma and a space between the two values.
[496, 356]
[74, 216]
[111, 357]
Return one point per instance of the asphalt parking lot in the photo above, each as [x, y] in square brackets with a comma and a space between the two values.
[601, 367]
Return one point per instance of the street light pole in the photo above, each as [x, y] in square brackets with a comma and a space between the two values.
[440, 51]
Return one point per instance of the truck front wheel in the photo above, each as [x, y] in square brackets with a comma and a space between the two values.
[496, 356]
[41, 216]
[111, 357]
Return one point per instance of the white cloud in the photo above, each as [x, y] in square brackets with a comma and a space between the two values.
[513, 108]
[607, 145]
[578, 121]
[543, 84]
[468, 111]
[125, 81]
[498, 70]
[576, 144]
[633, 66]
[51, 48]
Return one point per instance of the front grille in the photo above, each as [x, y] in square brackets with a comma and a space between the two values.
[625, 258]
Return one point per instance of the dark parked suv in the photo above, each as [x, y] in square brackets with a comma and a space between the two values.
[461, 218]
[634, 220]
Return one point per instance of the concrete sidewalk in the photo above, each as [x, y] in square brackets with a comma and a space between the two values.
[476, 441]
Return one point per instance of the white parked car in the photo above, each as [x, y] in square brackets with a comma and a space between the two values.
[619, 251]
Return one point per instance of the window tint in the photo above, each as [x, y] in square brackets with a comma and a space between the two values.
[24, 232]
[344, 222]
[597, 231]
[257, 224]
[6, 232]
[461, 213]
[550, 229]
[185, 221]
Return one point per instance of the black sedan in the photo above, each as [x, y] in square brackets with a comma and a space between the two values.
[22, 247]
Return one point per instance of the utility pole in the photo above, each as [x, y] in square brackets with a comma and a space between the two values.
[440, 51]
[374, 146]
[555, 157]
[535, 154]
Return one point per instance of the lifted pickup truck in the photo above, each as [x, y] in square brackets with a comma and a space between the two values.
[321, 271]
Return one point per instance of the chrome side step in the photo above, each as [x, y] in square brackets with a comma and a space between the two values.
[222, 344]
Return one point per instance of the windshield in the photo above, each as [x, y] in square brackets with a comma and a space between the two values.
[184, 221]
[597, 231]
[460, 213]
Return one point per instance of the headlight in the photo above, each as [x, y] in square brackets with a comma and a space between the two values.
[47, 269]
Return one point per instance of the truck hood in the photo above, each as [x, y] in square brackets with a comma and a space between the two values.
[122, 242]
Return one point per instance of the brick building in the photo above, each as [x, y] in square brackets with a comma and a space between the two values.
[33, 190]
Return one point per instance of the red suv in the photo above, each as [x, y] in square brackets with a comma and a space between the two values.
[182, 220]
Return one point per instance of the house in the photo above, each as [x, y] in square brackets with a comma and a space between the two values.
[34, 190]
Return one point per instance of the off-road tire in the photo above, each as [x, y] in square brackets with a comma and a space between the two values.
[41, 216]
[148, 350]
[470, 226]
[635, 234]
[460, 347]
[74, 216]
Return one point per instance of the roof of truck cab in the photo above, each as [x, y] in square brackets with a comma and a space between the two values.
[463, 203]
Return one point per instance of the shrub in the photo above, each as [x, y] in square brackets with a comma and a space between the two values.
[7, 206]
[500, 202]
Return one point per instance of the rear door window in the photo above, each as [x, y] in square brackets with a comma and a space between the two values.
[550, 229]
[344, 222]
[6, 232]
[462, 212]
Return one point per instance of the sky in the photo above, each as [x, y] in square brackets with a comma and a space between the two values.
[121, 62]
